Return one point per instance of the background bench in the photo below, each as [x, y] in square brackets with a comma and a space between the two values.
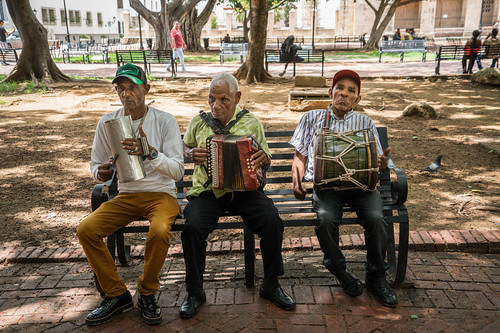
[233, 50]
[146, 58]
[8, 55]
[307, 55]
[294, 213]
[349, 42]
[457, 52]
[88, 52]
[401, 47]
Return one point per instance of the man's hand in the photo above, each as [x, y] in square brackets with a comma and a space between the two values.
[105, 171]
[384, 159]
[197, 155]
[260, 159]
[134, 146]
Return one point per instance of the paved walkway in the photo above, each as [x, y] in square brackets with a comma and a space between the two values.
[209, 70]
[51, 290]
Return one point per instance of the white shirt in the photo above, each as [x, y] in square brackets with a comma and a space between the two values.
[163, 133]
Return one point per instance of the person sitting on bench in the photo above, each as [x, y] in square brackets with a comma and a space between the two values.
[208, 202]
[288, 52]
[492, 41]
[328, 203]
[153, 196]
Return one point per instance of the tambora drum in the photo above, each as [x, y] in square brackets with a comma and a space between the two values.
[346, 160]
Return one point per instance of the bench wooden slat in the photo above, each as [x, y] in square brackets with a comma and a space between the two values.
[402, 47]
[307, 55]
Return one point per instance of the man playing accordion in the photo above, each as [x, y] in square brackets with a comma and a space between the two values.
[226, 123]
[339, 120]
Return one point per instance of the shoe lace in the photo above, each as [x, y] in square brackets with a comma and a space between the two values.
[149, 301]
[108, 302]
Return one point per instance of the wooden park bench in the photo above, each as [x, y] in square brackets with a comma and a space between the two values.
[8, 55]
[349, 42]
[146, 58]
[402, 47]
[233, 50]
[88, 52]
[294, 213]
[457, 52]
[302, 56]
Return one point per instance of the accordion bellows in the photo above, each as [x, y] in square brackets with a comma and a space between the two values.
[230, 162]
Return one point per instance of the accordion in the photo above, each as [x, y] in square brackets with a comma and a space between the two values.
[230, 162]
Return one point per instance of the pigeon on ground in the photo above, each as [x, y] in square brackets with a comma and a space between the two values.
[434, 167]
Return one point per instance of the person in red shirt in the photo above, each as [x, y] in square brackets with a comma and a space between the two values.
[177, 44]
[471, 51]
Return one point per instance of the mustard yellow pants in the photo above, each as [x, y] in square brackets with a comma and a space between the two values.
[160, 208]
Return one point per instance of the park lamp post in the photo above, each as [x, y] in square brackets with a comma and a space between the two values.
[141, 47]
[313, 23]
[67, 26]
[481, 17]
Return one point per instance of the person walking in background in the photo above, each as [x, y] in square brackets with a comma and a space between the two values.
[3, 40]
[471, 51]
[177, 45]
[288, 51]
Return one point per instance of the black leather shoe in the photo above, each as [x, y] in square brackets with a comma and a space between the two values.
[191, 304]
[350, 283]
[278, 297]
[108, 308]
[382, 292]
[151, 312]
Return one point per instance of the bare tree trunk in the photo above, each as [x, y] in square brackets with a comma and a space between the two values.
[253, 69]
[161, 21]
[193, 25]
[35, 62]
[380, 24]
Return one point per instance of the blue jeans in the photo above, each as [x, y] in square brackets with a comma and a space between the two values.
[328, 204]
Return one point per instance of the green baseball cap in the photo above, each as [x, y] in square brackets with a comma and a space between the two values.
[132, 72]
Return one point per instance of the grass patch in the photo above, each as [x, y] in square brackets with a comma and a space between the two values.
[25, 87]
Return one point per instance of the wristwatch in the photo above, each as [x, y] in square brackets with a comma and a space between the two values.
[153, 153]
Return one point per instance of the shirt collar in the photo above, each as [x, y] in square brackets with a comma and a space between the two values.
[236, 111]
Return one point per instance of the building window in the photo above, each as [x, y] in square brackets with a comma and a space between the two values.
[48, 16]
[75, 17]
[63, 17]
[89, 19]
[99, 19]
[119, 4]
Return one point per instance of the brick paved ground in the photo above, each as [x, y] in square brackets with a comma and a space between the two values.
[51, 290]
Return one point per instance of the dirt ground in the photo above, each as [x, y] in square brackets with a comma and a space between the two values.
[45, 139]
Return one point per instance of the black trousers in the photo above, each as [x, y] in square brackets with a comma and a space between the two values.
[368, 206]
[257, 211]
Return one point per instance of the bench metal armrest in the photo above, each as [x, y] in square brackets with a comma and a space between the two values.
[98, 196]
[399, 188]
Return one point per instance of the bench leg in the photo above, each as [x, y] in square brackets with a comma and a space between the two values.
[249, 244]
[404, 235]
[401, 57]
[122, 249]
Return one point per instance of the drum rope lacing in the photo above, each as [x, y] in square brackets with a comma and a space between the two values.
[353, 144]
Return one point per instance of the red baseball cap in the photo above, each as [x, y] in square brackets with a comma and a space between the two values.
[347, 73]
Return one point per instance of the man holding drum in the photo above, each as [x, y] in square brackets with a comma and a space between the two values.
[208, 202]
[153, 196]
[342, 122]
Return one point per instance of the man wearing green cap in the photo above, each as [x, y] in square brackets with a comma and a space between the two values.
[153, 196]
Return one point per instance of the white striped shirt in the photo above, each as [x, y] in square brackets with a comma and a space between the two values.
[314, 120]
